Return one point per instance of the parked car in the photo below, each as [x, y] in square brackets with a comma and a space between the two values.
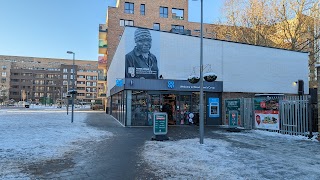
[26, 104]
[97, 107]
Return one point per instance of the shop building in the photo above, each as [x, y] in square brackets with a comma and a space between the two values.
[138, 88]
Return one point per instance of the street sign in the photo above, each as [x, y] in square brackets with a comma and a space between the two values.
[160, 123]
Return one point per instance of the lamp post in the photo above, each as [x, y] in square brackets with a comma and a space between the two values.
[73, 88]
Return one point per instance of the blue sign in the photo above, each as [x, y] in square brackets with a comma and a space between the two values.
[214, 107]
[119, 82]
[170, 84]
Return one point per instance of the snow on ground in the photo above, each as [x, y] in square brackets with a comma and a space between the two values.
[246, 155]
[30, 136]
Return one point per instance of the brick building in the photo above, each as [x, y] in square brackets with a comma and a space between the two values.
[45, 80]
[163, 15]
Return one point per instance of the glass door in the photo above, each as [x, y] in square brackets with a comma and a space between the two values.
[183, 109]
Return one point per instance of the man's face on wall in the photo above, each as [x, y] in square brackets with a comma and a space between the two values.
[144, 45]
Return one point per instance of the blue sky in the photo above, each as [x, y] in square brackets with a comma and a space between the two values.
[49, 28]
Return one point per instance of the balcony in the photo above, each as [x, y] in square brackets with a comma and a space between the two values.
[102, 62]
[103, 46]
[103, 31]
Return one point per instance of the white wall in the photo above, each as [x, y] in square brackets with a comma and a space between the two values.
[116, 69]
[242, 68]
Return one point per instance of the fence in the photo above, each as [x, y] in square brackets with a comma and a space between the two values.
[296, 114]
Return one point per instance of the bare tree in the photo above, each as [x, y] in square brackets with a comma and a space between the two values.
[289, 24]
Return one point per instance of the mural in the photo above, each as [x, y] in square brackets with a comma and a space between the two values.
[140, 62]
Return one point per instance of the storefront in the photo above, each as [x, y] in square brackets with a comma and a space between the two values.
[135, 100]
[150, 70]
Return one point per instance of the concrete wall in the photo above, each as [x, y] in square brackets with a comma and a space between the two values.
[241, 67]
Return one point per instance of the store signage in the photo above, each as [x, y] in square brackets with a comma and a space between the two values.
[160, 123]
[196, 87]
[170, 84]
[233, 118]
[119, 82]
[232, 109]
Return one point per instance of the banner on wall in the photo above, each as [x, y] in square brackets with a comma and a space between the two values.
[214, 109]
[266, 110]
[141, 60]
[232, 108]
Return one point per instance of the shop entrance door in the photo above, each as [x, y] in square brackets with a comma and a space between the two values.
[169, 106]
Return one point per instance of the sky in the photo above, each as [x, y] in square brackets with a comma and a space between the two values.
[45, 133]
[50, 28]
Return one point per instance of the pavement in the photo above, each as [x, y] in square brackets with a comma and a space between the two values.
[115, 158]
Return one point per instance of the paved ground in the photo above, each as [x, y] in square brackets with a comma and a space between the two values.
[114, 158]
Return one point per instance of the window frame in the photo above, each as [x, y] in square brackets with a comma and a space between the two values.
[162, 12]
[129, 8]
[158, 26]
[126, 22]
[143, 11]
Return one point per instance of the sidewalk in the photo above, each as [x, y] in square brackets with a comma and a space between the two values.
[114, 158]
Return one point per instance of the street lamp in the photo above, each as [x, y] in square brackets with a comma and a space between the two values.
[73, 88]
[201, 110]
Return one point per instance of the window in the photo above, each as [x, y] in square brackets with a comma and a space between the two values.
[65, 70]
[4, 67]
[3, 80]
[164, 12]
[142, 9]
[65, 76]
[94, 84]
[177, 14]
[129, 8]
[124, 22]
[177, 28]
[4, 74]
[65, 83]
[156, 26]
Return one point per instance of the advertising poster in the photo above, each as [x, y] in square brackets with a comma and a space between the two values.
[141, 59]
[232, 108]
[266, 110]
[213, 107]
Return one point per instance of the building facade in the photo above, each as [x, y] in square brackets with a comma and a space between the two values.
[172, 16]
[242, 71]
[44, 80]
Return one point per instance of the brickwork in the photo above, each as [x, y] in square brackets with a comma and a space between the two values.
[152, 15]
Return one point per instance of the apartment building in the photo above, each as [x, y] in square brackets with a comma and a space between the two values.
[4, 81]
[172, 16]
[162, 15]
[44, 80]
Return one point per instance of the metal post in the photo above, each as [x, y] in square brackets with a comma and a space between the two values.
[201, 113]
[73, 94]
[73, 85]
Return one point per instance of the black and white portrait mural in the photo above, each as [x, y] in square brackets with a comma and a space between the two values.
[140, 62]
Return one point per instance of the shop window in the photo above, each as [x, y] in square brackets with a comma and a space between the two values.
[139, 109]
